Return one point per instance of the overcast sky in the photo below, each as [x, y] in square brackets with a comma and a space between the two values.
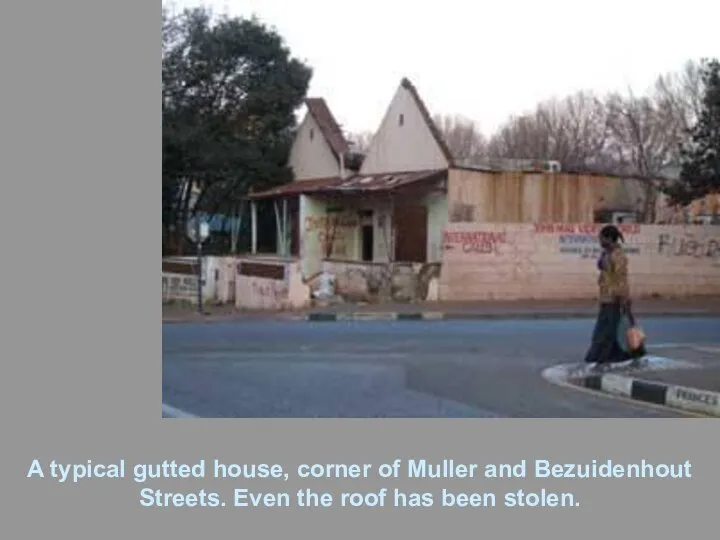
[484, 60]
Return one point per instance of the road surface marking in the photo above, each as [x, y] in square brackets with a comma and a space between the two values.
[231, 354]
[713, 350]
[173, 412]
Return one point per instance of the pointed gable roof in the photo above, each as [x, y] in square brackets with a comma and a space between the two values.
[319, 110]
[410, 87]
[407, 138]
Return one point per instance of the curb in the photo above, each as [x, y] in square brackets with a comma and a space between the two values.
[210, 319]
[441, 316]
[320, 316]
[365, 316]
[693, 400]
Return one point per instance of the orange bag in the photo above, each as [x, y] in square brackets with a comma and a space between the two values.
[635, 337]
[630, 336]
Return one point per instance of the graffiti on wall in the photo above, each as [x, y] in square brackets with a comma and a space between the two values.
[689, 245]
[480, 242]
[582, 239]
[332, 233]
[372, 282]
[270, 292]
[532, 266]
[584, 228]
[179, 287]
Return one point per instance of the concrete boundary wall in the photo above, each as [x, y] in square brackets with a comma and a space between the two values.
[558, 261]
[179, 279]
[268, 283]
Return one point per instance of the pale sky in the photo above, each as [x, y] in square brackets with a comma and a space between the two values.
[483, 60]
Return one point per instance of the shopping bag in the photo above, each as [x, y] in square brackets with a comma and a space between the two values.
[635, 338]
[631, 337]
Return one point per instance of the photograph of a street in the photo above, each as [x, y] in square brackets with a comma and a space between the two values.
[411, 239]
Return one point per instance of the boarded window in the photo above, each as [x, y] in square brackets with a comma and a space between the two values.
[462, 213]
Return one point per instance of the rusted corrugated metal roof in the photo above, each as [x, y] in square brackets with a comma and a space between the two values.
[296, 188]
[352, 184]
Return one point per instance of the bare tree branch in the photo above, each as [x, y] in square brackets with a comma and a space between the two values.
[360, 141]
[463, 137]
[571, 131]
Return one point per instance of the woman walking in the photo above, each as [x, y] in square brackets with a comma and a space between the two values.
[614, 301]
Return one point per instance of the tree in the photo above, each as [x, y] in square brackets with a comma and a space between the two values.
[229, 92]
[570, 130]
[463, 137]
[679, 94]
[360, 141]
[700, 163]
[643, 142]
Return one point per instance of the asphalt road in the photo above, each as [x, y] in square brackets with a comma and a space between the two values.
[393, 369]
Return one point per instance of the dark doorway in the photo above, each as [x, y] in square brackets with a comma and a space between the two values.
[367, 235]
[294, 225]
[410, 221]
[368, 241]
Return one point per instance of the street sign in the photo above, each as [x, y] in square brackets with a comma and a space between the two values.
[197, 230]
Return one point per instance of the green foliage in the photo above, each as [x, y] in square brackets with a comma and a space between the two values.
[700, 172]
[230, 89]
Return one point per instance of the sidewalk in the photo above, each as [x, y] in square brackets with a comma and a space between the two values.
[534, 309]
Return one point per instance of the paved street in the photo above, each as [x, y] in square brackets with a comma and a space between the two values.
[393, 369]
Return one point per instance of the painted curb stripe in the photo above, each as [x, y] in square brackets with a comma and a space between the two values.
[616, 384]
[648, 391]
[321, 317]
[693, 399]
[676, 397]
[434, 316]
[362, 316]
[593, 382]
[410, 316]
[437, 316]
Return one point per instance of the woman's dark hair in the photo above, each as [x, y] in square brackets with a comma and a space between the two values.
[611, 232]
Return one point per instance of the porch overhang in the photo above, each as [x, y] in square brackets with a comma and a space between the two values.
[360, 184]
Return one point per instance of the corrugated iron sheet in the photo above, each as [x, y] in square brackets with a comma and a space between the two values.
[523, 197]
[355, 183]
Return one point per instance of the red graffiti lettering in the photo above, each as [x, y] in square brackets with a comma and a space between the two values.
[583, 228]
[587, 228]
[629, 228]
[481, 242]
[543, 228]
[479, 247]
[313, 223]
[469, 237]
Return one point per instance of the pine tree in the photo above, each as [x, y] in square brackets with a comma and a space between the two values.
[700, 166]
